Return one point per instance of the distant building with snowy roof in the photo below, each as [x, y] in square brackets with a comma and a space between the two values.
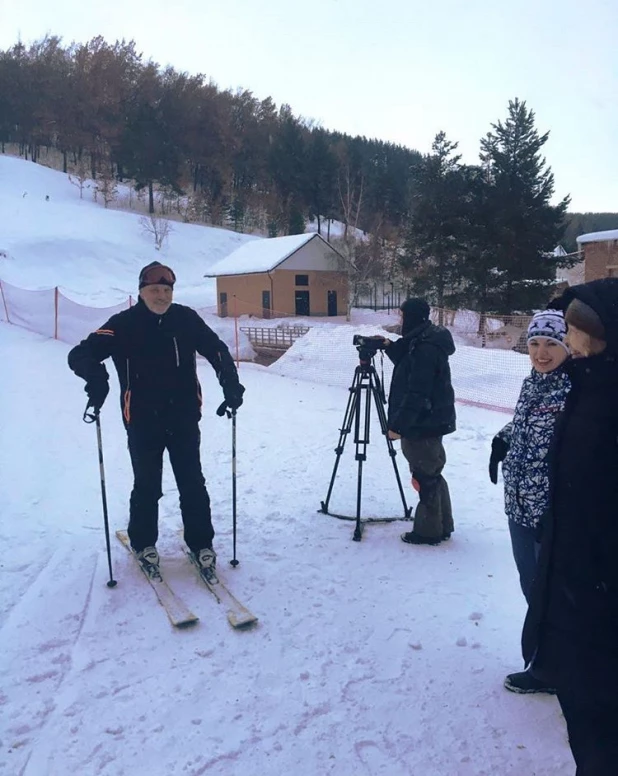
[296, 275]
[600, 254]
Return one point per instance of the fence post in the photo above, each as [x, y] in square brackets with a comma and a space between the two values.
[56, 313]
[6, 309]
[236, 332]
[130, 301]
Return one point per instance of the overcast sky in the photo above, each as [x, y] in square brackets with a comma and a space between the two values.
[398, 70]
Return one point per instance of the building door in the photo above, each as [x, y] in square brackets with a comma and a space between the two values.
[265, 304]
[223, 304]
[332, 303]
[302, 303]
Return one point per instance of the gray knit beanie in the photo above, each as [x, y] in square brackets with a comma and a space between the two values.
[584, 318]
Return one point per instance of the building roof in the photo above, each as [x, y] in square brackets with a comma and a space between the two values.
[265, 255]
[610, 234]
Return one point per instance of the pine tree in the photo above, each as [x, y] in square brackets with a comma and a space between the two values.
[287, 164]
[525, 227]
[435, 239]
[150, 150]
[321, 177]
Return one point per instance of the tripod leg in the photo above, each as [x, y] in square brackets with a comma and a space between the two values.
[378, 398]
[361, 449]
[350, 414]
[358, 529]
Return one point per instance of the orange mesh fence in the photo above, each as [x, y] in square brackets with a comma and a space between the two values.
[75, 321]
[50, 313]
[488, 366]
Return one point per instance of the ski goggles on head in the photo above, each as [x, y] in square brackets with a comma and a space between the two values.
[157, 275]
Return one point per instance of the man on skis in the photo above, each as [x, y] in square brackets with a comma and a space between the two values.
[153, 346]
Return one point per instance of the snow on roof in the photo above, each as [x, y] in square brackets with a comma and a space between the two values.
[610, 234]
[261, 255]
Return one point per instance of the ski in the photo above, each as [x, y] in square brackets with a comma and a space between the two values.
[237, 614]
[179, 614]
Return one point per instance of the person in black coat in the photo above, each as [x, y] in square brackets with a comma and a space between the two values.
[571, 628]
[153, 346]
[421, 410]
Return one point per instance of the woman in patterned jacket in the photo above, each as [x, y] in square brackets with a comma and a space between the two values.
[523, 446]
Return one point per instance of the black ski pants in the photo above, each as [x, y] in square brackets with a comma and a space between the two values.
[146, 446]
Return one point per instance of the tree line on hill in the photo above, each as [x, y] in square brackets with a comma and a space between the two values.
[479, 236]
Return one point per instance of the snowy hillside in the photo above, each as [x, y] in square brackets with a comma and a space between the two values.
[93, 254]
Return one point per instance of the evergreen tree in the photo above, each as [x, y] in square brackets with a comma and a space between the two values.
[296, 221]
[435, 240]
[321, 177]
[525, 226]
[582, 223]
[150, 150]
[482, 282]
[287, 163]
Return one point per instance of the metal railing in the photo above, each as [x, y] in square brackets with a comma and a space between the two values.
[280, 338]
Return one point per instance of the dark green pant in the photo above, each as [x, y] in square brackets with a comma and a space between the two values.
[433, 517]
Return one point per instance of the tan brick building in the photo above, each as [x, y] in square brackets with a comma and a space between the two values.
[600, 254]
[281, 276]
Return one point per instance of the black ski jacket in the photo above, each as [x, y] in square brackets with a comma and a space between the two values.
[155, 358]
[421, 400]
[575, 593]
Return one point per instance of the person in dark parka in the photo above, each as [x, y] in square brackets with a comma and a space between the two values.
[421, 410]
[571, 629]
[153, 346]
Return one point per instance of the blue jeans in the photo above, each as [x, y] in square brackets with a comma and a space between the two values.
[526, 554]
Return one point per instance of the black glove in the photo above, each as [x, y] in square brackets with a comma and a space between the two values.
[499, 449]
[97, 390]
[233, 398]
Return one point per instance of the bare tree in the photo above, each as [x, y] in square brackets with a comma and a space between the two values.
[80, 176]
[105, 182]
[351, 198]
[107, 187]
[158, 228]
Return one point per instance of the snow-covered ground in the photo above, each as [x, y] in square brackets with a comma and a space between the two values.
[371, 657]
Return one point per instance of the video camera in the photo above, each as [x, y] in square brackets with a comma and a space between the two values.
[368, 346]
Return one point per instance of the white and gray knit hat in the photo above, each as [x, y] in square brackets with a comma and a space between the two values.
[549, 324]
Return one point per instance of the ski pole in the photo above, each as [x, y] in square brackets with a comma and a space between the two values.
[234, 562]
[94, 417]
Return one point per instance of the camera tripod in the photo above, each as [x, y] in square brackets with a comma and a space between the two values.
[365, 386]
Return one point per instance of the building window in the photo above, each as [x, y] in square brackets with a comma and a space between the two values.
[302, 280]
[612, 272]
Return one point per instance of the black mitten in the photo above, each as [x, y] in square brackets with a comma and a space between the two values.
[97, 390]
[233, 398]
[499, 449]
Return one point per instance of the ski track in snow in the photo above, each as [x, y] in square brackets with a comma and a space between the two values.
[53, 646]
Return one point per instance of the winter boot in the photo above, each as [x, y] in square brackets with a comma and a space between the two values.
[149, 560]
[525, 682]
[206, 561]
[413, 538]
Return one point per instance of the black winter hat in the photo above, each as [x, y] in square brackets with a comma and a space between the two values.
[415, 311]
